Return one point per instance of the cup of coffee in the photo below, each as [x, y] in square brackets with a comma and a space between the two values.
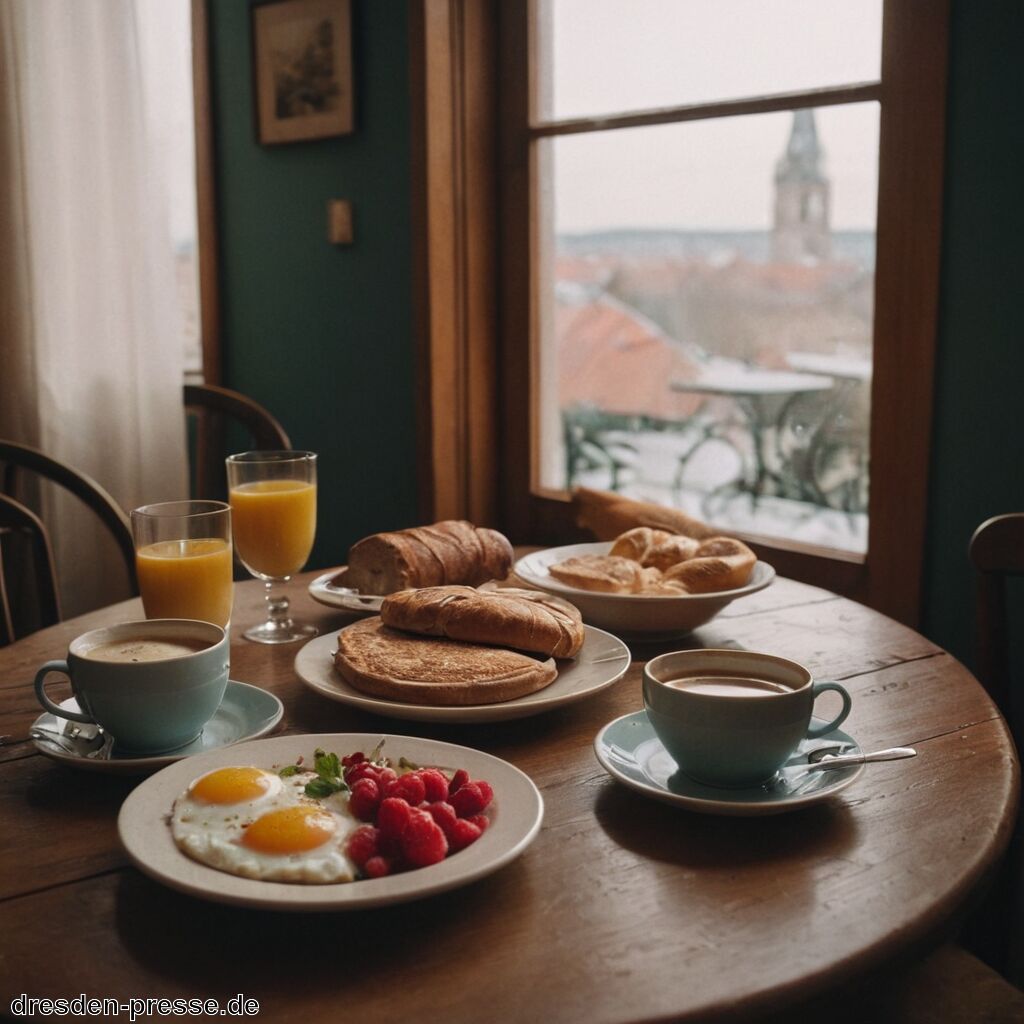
[152, 685]
[733, 718]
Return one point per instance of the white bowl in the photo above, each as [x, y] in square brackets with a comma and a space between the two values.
[635, 616]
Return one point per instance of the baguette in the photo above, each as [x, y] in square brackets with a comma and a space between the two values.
[385, 663]
[523, 619]
[449, 552]
[608, 515]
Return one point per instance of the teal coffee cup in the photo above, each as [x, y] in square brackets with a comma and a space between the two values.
[733, 718]
[151, 685]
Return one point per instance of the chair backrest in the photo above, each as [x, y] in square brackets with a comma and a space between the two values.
[18, 522]
[214, 410]
[996, 552]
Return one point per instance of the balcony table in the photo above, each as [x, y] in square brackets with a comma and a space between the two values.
[623, 909]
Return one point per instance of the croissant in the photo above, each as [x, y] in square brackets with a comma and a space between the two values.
[654, 548]
[452, 551]
[607, 515]
[523, 619]
[720, 563]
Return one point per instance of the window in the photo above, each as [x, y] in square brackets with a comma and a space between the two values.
[719, 235]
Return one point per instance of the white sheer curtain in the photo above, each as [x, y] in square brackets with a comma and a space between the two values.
[90, 342]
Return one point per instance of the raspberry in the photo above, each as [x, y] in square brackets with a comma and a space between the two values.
[459, 779]
[469, 800]
[393, 817]
[435, 783]
[377, 867]
[364, 799]
[464, 833]
[481, 821]
[362, 770]
[444, 814]
[362, 845]
[423, 842]
[385, 776]
[353, 759]
[486, 791]
[409, 788]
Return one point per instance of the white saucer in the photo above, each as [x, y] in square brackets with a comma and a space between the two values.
[629, 751]
[603, 660]
[324, 590]
[245, 713]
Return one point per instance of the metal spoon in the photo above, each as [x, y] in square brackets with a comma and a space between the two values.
[822, 760]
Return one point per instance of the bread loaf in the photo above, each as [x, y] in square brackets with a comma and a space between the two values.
[399, 666]
[452, 551]
[523, 619]
[608, 515]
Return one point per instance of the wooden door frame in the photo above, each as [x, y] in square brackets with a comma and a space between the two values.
[912, 139]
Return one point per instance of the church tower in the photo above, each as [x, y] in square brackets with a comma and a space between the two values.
[800, 233]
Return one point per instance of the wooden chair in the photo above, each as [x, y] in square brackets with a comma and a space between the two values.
[997, 552]
[22, 529]
[215, 411]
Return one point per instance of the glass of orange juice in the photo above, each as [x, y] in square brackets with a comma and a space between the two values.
[183, 560]
[273, 509]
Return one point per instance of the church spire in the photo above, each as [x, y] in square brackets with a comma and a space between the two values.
[801, 223]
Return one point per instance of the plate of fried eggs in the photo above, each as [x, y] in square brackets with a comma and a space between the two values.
[230, 827]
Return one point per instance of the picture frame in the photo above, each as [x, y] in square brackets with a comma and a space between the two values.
[302, 59]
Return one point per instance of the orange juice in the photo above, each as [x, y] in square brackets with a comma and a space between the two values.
[273, 523]
[186, 579]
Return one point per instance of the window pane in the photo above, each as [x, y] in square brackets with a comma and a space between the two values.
[165, 47]
[707, 295]
[608, 56]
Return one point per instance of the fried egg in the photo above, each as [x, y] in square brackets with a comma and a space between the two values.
[251, 822]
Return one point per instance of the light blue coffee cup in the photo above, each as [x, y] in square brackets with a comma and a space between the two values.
[148, 706]
[742, 734]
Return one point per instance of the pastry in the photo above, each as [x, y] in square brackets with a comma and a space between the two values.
[654, 548]
[452, 551]
[720, 563]
[609, 574]
[608, 515]
[523, 619]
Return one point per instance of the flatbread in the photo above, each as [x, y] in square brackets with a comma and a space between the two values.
[426, 670]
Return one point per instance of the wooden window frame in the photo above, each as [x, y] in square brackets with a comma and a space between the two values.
[206, 196]
[471, 86]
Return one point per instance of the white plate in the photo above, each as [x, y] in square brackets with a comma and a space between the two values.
[603, 660]
[322, 589]
[516, 814]
[629, 751]
[245, 713]
[654, 617]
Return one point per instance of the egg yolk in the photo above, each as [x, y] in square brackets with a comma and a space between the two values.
[290, 830]
[233, 785]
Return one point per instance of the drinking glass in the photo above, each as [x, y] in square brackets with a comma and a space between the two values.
[273, 505]
[183, 560]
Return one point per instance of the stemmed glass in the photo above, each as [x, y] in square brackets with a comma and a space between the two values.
[273, 511]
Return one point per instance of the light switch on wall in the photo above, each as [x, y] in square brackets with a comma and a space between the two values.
[339, 222]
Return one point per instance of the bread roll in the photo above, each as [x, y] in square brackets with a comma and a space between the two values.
[605, 573]
[721, 563]
[524, 619]
[452, 551]
[413, 669]
[652, 548]
[608, 515]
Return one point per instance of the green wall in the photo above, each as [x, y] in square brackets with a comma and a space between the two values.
[977, 465]
[320, 334]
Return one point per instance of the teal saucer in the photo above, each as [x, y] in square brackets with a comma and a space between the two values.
[629, 751]
[245, 713]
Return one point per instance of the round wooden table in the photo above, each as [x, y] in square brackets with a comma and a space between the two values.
[623, 909]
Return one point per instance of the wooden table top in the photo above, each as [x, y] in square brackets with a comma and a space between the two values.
[622, 909]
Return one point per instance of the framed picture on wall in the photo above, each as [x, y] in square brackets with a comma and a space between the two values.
[303, 63]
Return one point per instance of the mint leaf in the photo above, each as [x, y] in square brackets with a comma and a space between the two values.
[319, 788]
[289, 769]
